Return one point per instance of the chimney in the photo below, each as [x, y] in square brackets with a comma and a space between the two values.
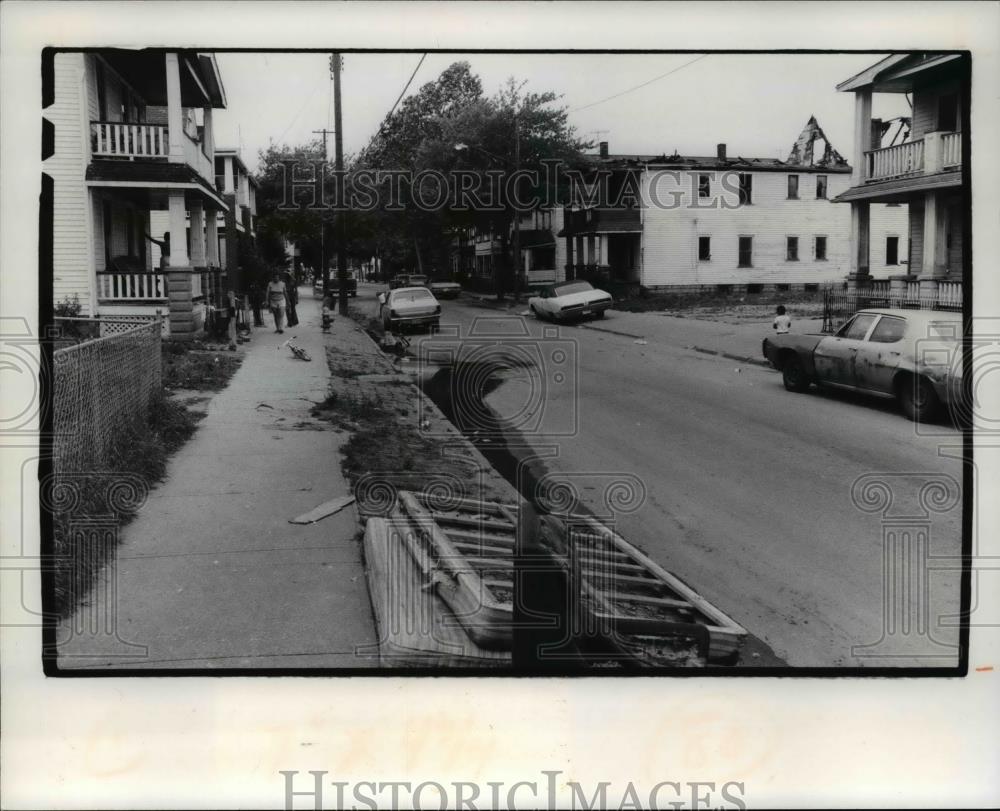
[720, 152]
[604, 149]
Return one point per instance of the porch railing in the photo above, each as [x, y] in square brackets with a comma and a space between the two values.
[950, 294]
[895, 161]
[951, 149]
[126, 140]
[112, 286]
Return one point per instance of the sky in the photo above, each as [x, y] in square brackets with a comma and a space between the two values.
[755, 103]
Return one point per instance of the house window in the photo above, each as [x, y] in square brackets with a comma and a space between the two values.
[892, 250]
[746, 189]
[130, 231]
[821, 248]
[792, 249]
[820, 187]
[746, 252]
[948, 113]
[106, 217]
[704, 185]
[793, 187]
[704, 248]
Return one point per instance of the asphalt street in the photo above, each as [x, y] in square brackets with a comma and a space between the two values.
[802, 516]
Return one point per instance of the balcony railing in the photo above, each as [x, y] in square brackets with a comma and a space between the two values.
[125, 140]
[891, 162]
[935, 152]
[112, 286]
[951, 150]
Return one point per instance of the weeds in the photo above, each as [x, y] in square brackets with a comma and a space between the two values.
[185, 368]
[140, 451]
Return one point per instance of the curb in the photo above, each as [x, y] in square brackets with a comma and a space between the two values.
[741, 358]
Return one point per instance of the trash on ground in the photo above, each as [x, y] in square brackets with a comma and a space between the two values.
[323, 510]
[265, 405]
[640, 341]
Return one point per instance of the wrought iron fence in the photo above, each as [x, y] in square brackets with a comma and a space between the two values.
[102, 387]
[840, 305]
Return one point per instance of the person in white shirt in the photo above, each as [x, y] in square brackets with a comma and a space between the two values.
[782, 323]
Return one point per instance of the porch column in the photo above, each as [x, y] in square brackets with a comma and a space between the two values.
[934, 264]
[860, 232]
[603, 249]
[862, 133]
[197, 235]
[211, 237]
[178, 272]
[175, 114]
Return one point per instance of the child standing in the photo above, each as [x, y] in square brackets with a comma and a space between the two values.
[782, 323]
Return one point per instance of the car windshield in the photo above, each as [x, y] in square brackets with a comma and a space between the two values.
[412, 295]
[571, 287]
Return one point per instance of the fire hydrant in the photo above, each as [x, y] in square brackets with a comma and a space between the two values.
[327, 315]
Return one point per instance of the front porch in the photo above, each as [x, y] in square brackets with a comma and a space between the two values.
[141, 275]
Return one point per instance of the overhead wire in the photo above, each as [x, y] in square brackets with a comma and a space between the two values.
[639, 86]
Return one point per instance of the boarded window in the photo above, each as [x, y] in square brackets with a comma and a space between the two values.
[746, 252]
[704, 185]
[792, 249]
[892, 250]
[821, 248]
[793, 187]
[704, 248]
[746, 189]
[820, 187]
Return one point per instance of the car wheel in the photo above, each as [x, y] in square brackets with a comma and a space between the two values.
[535, 312]
[599, 314]
[917, 398]
[435, 326]
[793, 375]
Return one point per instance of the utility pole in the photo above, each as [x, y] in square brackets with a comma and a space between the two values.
[517, 212]
[322, 227]
[336, 64]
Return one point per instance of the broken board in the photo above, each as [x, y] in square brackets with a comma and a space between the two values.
[466, 548]
[415, 627]
[323, 510]
[644, 609]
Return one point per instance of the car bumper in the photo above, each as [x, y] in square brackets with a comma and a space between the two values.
[583, 311]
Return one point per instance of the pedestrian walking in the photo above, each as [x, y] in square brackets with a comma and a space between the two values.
[277, 301]
[782, 323]
[293, 299]
[256, 304]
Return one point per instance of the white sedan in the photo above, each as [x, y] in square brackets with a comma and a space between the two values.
[409, 307]
[565, 300]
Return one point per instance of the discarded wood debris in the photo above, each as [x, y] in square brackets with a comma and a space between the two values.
[323, 510]
[645, 610]
[465, 548]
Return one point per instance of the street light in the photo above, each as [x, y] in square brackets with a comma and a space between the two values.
[460, 147]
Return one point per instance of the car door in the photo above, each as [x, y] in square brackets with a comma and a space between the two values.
[835, 356]
[880, 353]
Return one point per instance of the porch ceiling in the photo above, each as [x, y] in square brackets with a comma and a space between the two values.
[155, 177]
[146, 71]
[900, 191]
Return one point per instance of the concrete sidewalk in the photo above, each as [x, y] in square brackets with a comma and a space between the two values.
[210, 574]
[739, 342]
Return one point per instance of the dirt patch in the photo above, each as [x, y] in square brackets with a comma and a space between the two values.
[728, 308]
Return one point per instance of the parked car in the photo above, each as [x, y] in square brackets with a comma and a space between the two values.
[352, 285]
[409, 307]
[910, 355]
[399, 280]
[565, 300]
[445, 289]
[416, 280]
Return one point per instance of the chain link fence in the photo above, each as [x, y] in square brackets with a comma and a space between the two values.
[103, 387]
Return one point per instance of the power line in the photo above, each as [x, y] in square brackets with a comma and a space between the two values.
[303, 107]
[654, 79]
[408, 83]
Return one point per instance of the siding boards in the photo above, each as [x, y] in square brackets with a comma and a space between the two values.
[71, 257]
[670, 234]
